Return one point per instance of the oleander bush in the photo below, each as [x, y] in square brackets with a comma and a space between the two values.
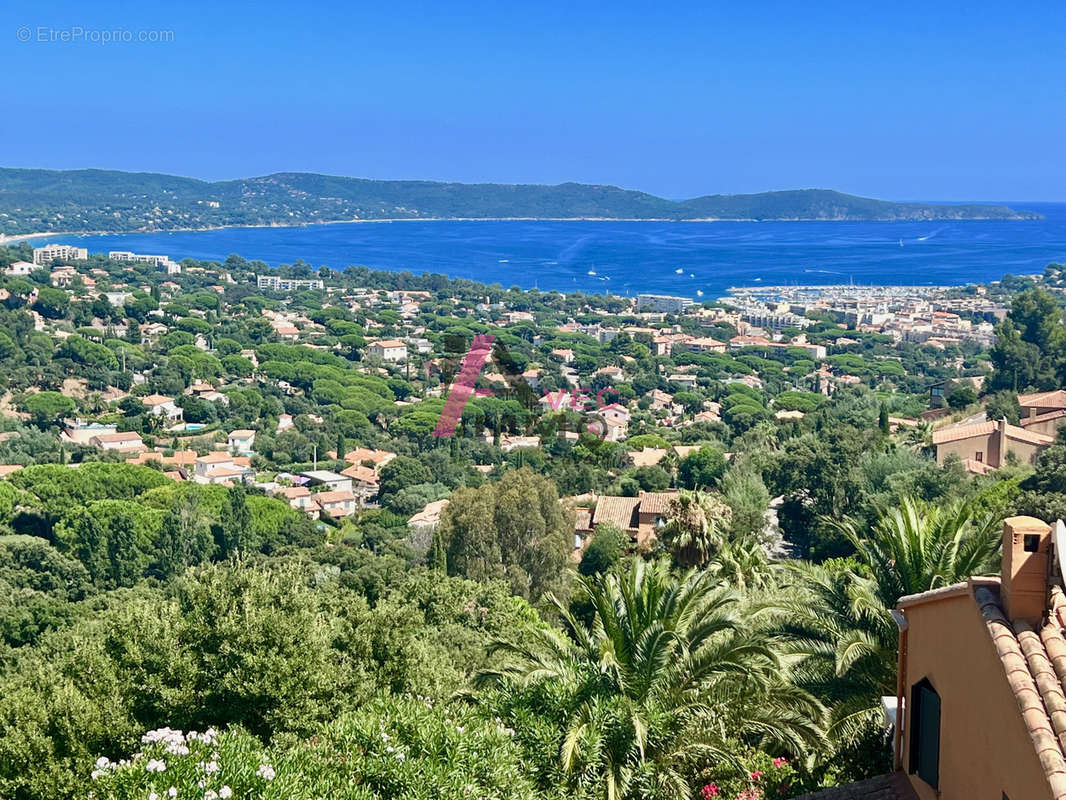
[394, 747]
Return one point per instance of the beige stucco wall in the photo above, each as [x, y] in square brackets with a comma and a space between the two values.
[1048, 427]
[1025, 453]
[985, 749]
[968, 448]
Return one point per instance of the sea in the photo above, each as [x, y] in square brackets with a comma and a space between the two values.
[700, 260]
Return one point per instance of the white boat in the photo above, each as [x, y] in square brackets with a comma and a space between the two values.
[679, 270]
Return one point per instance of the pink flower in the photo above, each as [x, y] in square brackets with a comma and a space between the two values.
[710, 790]
[780, 762]
[756, 775]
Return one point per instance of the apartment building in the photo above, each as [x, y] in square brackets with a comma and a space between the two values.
[279, 284]
[62, 252]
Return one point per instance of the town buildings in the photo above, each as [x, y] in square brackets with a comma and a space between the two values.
[388, 350]
[663, 303]
[42, 256]
[279, 284]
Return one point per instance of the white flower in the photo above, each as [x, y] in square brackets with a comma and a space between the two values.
[102, 762]
[266, 772]
[153, 796]
[225, 793]
[210, 795]
[96, 773]
[210, 767]
[401, 756]
[155, 765]
[172, 791]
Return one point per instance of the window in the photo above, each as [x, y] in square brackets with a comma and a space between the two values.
[925, 732]
[980, 456]
[1032, 543]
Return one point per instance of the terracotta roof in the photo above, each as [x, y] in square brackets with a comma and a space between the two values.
[1032, 437]
[216, 458]
[894, 786]
[1047, 416]
[958, 432]
[1035, 664]
[647, 456]
[156, 399]
[656, 502]
[225, 472]
[128, 436]
[618, 511]
[360, 473]
[182, 457]
[334, 497]
[1053, 399]
[361, 454]
[292, 492]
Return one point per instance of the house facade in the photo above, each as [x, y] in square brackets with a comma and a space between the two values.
[981, 709]
[391, 350]
[988, 445]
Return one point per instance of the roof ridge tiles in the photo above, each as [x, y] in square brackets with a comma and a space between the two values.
[1013, 643]
[1045, 677]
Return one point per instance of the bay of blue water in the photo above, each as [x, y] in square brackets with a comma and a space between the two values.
[681, 258]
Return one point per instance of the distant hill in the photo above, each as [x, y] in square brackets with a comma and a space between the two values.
[35, 200]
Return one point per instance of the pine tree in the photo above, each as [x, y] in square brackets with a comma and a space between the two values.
[122, 553]
[237, 524]
[437, 557]
[171, 555]
[882, 419]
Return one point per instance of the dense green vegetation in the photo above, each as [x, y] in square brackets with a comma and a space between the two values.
[151, 626]
[34, 200]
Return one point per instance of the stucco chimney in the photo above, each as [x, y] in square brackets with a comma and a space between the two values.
[1024, 588]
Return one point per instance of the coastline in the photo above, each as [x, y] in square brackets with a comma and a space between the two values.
[6, 239]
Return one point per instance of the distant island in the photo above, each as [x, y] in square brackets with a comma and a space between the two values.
[106, 201]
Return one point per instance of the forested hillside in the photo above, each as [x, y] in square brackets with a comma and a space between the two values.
[33, 200]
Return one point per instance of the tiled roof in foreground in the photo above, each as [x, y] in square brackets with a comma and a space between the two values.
[1035, 663]
[894, 786]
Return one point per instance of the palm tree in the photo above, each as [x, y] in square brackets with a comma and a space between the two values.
[839, 642]
[837, 629]
[743, 564]
[917, 546]
[919, 438]
[661, 679]
[698, 521]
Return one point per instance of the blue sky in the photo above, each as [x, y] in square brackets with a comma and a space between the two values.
[897, 100]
